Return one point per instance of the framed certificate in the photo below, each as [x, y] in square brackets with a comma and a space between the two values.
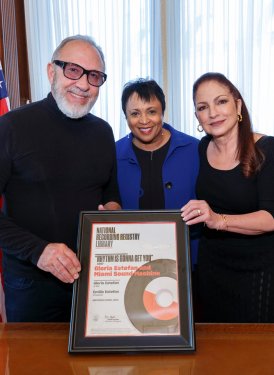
[134, 290]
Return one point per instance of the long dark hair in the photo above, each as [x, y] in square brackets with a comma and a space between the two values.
[250, 157]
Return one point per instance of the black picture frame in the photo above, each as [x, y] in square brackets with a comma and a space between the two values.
[135, 325]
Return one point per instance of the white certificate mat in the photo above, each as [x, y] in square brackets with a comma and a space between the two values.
[133, 279]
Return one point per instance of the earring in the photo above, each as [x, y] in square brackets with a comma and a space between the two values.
[200, 128]
[240, 118]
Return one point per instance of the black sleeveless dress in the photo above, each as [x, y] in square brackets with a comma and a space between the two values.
[235, 271]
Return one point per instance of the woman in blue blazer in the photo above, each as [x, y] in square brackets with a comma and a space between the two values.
[157, 165]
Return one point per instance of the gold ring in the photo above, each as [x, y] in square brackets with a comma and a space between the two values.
[199, 212]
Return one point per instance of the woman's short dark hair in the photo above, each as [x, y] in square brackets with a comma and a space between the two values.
[250, 157]
[146, 89]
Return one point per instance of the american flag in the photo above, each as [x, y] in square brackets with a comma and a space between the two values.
[4, 100]
[4, 108]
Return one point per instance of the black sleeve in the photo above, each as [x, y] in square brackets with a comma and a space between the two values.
[266, 177]
[111, 190]
[13, 238]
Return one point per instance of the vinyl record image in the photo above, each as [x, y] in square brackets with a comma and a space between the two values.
[160, 298]
[151, 300]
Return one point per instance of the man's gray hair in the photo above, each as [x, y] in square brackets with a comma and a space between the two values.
[84, 38]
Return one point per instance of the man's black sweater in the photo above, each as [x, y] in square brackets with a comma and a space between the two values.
[51, 168]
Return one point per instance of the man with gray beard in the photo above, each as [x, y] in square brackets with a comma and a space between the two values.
[56, 159]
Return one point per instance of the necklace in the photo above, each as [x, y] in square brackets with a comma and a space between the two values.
[165, 135]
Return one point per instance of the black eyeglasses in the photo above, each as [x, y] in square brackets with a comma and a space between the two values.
[75, 71]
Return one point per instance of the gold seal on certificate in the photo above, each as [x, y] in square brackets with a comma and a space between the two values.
[135, 283]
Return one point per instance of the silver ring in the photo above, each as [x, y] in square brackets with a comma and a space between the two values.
[199, 212]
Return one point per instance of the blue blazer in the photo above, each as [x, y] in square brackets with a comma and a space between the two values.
[179, 172]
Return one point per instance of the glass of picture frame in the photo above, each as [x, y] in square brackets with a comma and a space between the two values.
[134, 292]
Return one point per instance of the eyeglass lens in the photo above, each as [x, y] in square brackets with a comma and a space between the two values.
[73, 71]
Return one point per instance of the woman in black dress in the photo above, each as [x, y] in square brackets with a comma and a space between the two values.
[235, 188]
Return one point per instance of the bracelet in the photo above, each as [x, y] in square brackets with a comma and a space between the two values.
[223, 223]
[224, 217]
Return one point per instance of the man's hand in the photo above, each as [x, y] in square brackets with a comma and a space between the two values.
[109, 206]
[62, 262]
